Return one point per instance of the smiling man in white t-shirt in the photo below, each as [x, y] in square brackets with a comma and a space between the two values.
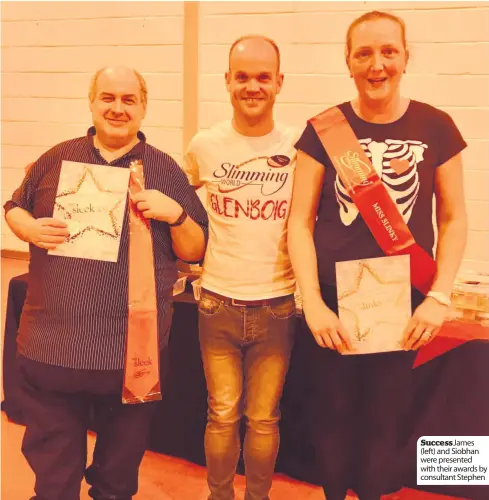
[247, 307]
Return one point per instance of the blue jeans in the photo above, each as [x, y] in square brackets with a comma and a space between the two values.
[246, 354]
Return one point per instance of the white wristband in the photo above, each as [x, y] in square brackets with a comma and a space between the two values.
[440, 297]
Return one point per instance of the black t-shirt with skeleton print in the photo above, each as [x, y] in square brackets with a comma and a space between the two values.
[405, 154]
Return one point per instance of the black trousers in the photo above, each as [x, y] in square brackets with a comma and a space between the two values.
[359, 409]
[57, 404]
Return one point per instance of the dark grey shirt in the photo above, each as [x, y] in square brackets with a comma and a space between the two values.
[76, 310]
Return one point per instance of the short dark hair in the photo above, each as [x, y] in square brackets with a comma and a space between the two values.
[259, 37]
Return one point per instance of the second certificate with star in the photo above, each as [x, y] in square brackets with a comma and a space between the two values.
[91, 199]
[374, 302]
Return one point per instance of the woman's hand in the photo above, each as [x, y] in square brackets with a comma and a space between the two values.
[326, 327]
[424, 324]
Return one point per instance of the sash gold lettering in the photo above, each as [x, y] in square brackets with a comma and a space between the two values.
[141, 362]
[385, 222]
[351, 160]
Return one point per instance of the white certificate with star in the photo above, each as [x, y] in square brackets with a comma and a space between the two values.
[374, 302]
[91, 199]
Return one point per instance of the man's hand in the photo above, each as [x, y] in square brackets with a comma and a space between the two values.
[424, 324]
[155, 205]
[326, 327]
[46, 232]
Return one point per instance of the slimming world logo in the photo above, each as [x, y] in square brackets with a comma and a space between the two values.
[232, 177]
[359, 170]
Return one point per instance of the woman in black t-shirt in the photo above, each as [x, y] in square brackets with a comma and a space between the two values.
[361, 400]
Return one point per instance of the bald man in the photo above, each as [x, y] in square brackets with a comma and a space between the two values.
[247, 307]
[73, 329]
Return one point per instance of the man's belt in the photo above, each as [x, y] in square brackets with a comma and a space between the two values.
[248, 303]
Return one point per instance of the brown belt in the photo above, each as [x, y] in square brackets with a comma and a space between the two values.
[248, 303]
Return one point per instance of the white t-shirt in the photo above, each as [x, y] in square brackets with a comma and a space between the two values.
[249, 186]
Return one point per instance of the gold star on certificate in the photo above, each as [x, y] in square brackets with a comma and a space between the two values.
[374, 298]
[93, 213]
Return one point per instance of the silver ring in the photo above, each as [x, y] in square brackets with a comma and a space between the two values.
[429, 332]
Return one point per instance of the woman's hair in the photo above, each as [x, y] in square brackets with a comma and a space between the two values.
[372, 16]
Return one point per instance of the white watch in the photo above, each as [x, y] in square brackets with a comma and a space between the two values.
[440, 297]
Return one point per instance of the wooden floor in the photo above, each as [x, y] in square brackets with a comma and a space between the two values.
[161, 477]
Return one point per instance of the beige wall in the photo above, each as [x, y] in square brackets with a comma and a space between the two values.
[50, 50]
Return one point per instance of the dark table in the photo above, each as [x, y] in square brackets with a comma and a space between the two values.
[451, 397]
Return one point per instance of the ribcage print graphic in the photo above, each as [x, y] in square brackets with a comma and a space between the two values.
[396, 162]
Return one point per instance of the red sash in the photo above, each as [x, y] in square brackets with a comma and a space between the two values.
[369, 194]
[452, 334]
[141, 366]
